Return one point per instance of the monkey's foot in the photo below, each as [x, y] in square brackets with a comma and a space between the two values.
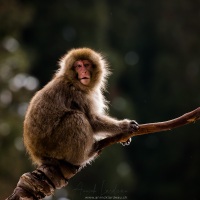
[126, 143]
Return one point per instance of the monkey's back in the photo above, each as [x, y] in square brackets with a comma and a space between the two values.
[53, 129]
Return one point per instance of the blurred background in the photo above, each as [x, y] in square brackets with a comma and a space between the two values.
[153, 48]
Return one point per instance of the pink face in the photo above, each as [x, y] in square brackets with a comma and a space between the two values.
[83, 69]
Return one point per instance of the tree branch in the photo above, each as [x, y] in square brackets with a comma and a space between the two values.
[151, 128]
[46, 178]
[43, 181]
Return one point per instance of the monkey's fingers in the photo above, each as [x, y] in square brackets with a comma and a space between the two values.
[128, 142]
[134, 126]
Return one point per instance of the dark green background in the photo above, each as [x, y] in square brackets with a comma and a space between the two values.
[153, 48]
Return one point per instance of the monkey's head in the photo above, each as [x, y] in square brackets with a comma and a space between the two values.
[85, 68]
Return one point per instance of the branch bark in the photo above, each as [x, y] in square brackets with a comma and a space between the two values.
[187, 118]
[43, 181]
[46, 178]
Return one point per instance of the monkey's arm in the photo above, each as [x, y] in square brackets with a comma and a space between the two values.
[112, 126]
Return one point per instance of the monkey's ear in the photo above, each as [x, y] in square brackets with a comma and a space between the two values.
[66, 64]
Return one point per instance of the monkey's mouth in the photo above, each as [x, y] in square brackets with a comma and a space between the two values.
[84, 78]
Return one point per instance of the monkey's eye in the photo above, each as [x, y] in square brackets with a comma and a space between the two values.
[77, 66]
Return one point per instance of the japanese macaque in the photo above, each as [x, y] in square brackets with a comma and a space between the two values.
[65, 117]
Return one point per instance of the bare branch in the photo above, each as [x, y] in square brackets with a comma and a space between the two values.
[187, 118]
[43, 181]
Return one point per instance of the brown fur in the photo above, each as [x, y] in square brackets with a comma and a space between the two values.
[64, 117]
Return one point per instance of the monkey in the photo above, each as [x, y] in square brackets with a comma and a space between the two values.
[65, 118]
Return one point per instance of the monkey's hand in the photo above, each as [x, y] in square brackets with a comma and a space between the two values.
[129, 126]
[132, 127]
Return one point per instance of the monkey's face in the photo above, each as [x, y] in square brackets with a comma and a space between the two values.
[83, 68]
[86, 69]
